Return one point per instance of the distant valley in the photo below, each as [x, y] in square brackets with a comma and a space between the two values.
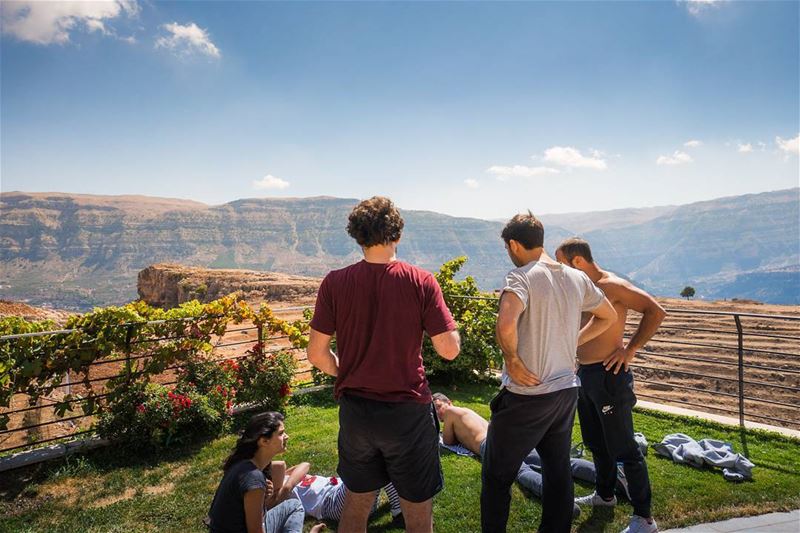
[77, 251]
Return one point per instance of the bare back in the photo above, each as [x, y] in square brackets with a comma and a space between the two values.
[469, 428]
[610, 340]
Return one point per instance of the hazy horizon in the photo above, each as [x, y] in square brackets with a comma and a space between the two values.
[543, 214]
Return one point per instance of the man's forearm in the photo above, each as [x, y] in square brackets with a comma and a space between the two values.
[651, 320]
[507, 340]
[593, 328]
[327, 362]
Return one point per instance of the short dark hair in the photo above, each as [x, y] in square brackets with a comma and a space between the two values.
[375, 221]
[441, 397]
[574, 247]
[526, 229]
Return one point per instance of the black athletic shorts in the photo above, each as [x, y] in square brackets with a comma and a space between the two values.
[381, 442]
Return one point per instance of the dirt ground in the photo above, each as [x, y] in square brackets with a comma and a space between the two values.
[668, 363]
[665, 371]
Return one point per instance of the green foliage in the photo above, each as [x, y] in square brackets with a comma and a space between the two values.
[687, 292]
[149, 415]
[265, 378]
[318, 376]
[149, 341]
[21, 363]
[475, 312]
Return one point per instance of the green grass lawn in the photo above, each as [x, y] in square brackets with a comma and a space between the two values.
[116, 490]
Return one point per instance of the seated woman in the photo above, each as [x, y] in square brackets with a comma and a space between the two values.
[247, 500]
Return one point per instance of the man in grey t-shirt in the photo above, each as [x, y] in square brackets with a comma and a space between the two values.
[538, 331]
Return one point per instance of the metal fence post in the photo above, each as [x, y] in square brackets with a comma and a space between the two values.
[740, 336]
[128, 339]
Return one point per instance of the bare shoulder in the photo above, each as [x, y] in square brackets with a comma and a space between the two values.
[460, 411]
[622, 291]
[611, 284]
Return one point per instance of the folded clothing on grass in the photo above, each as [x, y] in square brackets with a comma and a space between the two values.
[684, 449]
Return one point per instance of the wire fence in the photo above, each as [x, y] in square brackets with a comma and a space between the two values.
[37, 424]
[741, 364]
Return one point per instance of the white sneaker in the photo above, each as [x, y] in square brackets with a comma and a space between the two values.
[641, 525]
[595, 500]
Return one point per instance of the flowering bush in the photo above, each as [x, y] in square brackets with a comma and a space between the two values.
[266, 377]
[155, 416]
[206, 376]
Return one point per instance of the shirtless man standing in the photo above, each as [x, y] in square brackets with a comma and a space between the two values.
[606, 397]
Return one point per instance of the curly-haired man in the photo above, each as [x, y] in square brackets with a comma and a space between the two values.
[378, 309]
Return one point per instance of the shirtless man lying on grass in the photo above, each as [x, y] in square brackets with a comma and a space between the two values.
[466, 427]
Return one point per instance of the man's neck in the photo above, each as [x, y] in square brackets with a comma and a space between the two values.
[380, 253]
[536, 254]
[593, 272]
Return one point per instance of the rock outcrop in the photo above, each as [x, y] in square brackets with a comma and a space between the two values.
[169, 285]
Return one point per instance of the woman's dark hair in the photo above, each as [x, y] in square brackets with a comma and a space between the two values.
[260, 425]
[375, 221]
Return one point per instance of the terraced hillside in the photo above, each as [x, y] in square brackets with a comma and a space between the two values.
[700, 352]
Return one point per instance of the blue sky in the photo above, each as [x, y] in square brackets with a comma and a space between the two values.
[475, 109]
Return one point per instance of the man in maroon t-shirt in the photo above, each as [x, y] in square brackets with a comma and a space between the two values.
[379, 309]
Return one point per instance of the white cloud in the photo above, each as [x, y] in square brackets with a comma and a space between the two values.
[270, 182]
[697, 7]
[52, 22]
[694, 143]
[471, 183]
[520, 171]
[790, 146]
[745, 148]
[678, 158]
[568, 156]
[188, 39]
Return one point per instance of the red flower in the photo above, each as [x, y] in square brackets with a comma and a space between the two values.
[141, 408]
[286, 390]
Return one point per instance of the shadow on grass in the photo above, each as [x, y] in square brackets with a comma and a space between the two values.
[322, 398]
[743, 438]
[21, 481]
[597, 520]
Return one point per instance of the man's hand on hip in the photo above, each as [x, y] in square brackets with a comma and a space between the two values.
[520, 374]
[621, 358]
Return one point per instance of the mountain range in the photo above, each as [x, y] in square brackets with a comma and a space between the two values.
[76, 251]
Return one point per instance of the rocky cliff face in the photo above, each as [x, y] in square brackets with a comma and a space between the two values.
[168, 285]
[76, 251]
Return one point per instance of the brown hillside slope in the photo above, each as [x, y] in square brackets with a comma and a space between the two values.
[700, 351]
